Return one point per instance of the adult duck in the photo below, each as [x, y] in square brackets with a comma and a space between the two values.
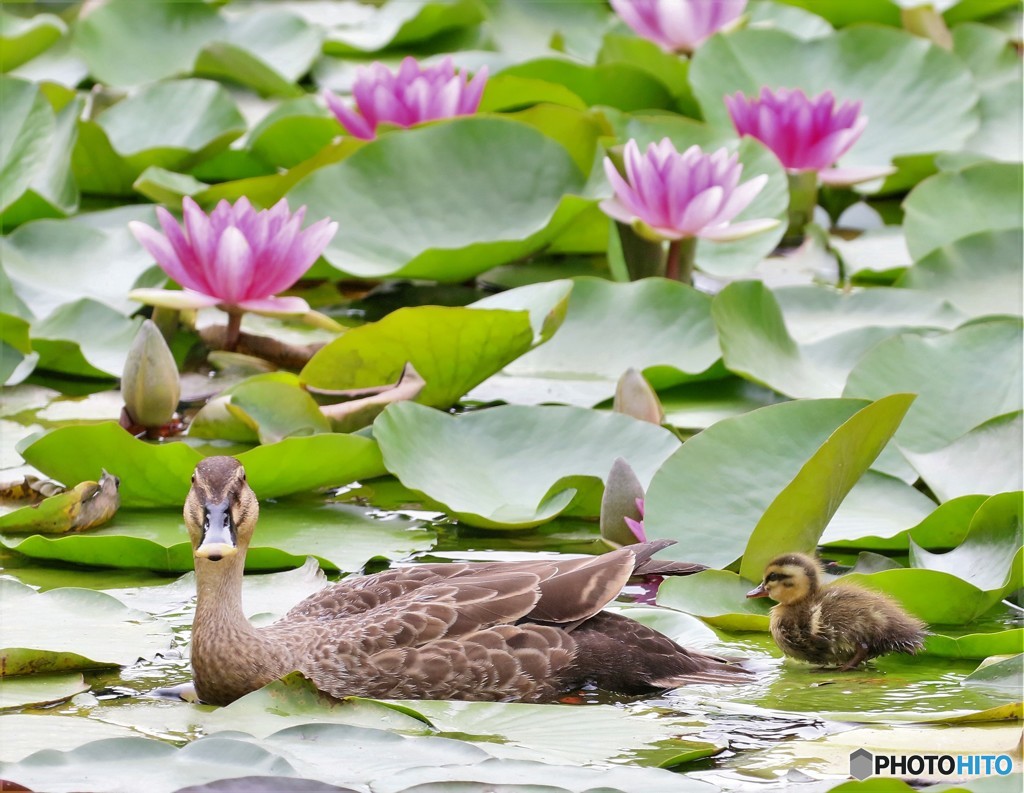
[525, 631]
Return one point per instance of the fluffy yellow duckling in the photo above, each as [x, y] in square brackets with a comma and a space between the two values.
[836, 624]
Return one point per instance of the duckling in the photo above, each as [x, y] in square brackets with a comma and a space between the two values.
[837, 624]
[499, 631]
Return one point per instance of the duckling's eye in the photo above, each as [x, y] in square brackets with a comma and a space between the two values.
[774, 577]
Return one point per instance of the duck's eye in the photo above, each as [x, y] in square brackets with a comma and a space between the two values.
[193, 478]
[774, 577]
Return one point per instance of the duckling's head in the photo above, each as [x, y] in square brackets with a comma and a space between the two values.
[221, 509]
[789, 579]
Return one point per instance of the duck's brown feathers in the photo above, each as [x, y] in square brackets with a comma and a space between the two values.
[494, 631]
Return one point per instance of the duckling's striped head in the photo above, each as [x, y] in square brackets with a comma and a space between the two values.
[789, 578]
[221, 509]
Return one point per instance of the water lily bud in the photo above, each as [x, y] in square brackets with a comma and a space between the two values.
[621, 506]
[635, 397]
[150, 385]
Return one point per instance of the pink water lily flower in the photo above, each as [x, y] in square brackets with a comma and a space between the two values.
[805, 134]
[637, 526]
[678, 25]
[235, 258]
[412, 95]
[667, 195]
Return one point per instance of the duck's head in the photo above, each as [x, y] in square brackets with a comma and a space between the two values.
[221, 509]
[788, 579]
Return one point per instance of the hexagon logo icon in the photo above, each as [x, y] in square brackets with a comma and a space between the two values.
[861, 764]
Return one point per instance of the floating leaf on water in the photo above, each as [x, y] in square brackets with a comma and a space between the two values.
[83, 507]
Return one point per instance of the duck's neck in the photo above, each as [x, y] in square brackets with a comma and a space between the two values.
[219, 596]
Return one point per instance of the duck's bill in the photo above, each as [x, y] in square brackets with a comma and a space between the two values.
[218, 534]
[215, 551]
[760, 591]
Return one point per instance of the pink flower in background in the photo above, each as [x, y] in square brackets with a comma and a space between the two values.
[678, 25]
[805, 134]
[414, 94]
[666, 195]
[235, 258]
[637, 526]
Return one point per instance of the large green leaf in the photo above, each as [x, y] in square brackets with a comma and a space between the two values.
[804, 341]
[881, 512]
[952, 376]
[992, 57]
[84, 630]
[718, 597]
[158, 474]
[85, 339]
[514, 466]
[39, 690]
[340, 537]
[28, 131]
[51, 189]
[796, 458]
[266, 49]
[453, 349]
[22, 39]
[619, 85]
[661, 327]
[399, 24]
[919, 98]
[126, 43]
[727, 259]
[294, 131]
[25, 734]
[148, 128]
[55, 262]
[983, 461]
[951, 205]
[423, 204]
[979, 274]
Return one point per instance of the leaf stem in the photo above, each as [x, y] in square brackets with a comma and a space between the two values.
[803, 198]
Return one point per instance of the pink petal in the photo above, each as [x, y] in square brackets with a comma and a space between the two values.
[700, 210]
[740, 198]
[235, 266]
[637, 527]
[737, 231]
[354, 124]
[163, 251]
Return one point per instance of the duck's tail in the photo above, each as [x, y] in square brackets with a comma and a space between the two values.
[645, 565]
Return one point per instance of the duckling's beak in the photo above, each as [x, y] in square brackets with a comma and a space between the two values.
[218, 533]
[760, 591]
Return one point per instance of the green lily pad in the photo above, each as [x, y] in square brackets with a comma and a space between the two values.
[158, 474]
[52, 190]
[828, 445]
[718, 597]
[805, 341]
[955, 204]
[983, 461]
[727, 259]
[975, 645]
[167, 187]
[452, 348]
[340, 537]
[55, 262]
[619, 85]
[400, 24]
[951, 374]
[484, 466]
[85, 630]
[1000, 673]
[125, 43]
[992, 57]
[979, 274]
[920, 99]
[879, 513]
[421, 203]
[146, 128]
[293, 132]
[84, 338]
[661, 327]
[35, 155]
[22, 39]
[566, 734]
[39, 690]
[696, 406]
[266, 49]
[26, 734]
